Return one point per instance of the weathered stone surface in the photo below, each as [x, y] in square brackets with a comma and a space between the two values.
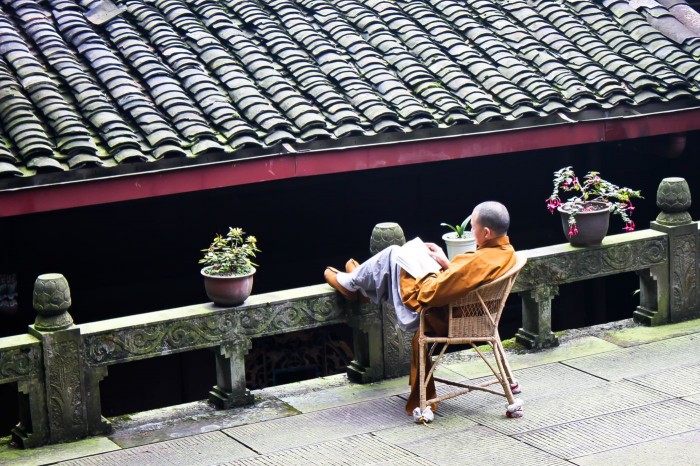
[667, 451]
[568, 405]
[51, 454]
[138, 342]
[556, 265]
[616, 429]
[641, 359]
[20, 357]
[358, 449]
[328, 424]
[478, 445]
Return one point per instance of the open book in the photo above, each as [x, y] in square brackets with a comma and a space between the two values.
[415, 259]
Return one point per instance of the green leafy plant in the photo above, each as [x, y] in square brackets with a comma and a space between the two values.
[594, 188]
[230, 254]
[461, 229]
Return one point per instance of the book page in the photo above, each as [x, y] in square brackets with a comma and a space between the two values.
[415, 259]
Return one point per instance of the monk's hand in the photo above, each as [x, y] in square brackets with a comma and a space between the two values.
[438, 255]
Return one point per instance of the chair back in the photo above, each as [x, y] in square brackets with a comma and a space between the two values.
[477, 314]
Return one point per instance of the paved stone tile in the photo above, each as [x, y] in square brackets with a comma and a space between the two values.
[192, 419]
[362, 449]
[411, 432]
[479, 445]
[682, 449]
[641, 334]
[469, 365]
[345, 394]
[615, 430]
[204, 449]
[693, 399]
[638, 360]
[536, 382]
[53, 453]
[329, 424]
[679, 381]
[567, 406]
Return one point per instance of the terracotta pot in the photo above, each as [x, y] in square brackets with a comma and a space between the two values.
[228, 290]
[592, 226]
[458, 245]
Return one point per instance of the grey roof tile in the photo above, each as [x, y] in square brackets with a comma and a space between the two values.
[153, 79]
[45, 163]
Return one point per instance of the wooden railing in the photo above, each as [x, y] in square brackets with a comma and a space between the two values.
[58, 366]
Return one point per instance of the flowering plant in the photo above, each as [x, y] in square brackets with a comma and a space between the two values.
[594, 188]
[230, 254]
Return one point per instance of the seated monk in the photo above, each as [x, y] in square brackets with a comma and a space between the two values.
[380, 278]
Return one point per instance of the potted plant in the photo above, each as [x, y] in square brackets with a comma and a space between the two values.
[585, 216]
[459, 240]
[228, 271]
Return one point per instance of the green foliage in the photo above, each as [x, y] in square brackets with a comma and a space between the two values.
[461, 230]
[230, 254]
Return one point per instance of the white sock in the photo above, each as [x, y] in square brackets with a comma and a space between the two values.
[346, 281]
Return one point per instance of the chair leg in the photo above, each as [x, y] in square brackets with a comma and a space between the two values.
[421, 373]
[503, 377]
[514, 385]
[514, 408]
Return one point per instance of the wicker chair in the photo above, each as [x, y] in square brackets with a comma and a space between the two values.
[473, 320]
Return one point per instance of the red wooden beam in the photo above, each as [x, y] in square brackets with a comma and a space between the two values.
[211, 176]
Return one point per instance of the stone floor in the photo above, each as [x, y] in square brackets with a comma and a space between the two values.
[616, 394]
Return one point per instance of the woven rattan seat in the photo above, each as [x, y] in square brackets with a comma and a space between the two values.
[473, 320]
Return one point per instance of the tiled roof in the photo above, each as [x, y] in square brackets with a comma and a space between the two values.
[104, 83]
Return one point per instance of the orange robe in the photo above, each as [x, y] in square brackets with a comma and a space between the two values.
[465, 273]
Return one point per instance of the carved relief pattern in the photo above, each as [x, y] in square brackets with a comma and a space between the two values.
[291, 315]
[591, 263]
[64, 398]
[370, 317]
[19, 363]
[397, 344]
[684, 283]
[164, 338]
[237, 346]
[544, 293]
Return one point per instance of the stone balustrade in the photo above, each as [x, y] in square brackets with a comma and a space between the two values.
[58, 365]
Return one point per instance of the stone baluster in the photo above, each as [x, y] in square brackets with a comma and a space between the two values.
[230, 389]
[536, 331]
[676, 285]
[61, 344]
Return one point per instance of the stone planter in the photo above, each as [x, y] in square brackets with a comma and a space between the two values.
[458, 245]
[228, 290]
[592, 225]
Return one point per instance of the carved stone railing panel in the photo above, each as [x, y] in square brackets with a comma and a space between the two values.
[143, 341]
[551, 266]
[202, 326]
[292, 314]
[21, 361]
[20, 358]
[563, 263]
